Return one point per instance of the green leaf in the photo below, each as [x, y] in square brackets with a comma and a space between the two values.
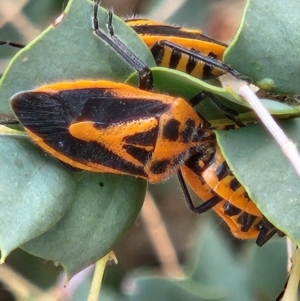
[97, 220]
[218, 268]
[33, 192]
[267, 45]
[271, 182]
[150, 288]
[261, 266]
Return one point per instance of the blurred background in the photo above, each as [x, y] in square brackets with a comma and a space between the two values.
[167, 240]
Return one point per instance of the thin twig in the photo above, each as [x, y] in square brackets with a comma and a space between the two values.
[291, 292]
[98, 276]
[289, 149]
[291, 249]
[160, 238]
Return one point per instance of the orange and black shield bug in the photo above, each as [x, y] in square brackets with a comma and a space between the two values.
[119, 129]
[103, 126]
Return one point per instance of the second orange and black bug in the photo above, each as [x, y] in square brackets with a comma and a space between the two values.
[183, 49]
[211, 179]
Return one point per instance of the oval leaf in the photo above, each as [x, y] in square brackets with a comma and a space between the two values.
[266, 47]
[33, 192]
[103, 210]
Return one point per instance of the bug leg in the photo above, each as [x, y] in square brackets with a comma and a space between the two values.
[13, 44]
[209, 60]
[266, 232]
[201, 208]
[109, 23]
[229, 113]
[145, 74]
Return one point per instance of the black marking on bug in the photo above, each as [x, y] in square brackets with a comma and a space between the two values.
[159, 167]
[234, 184]
[222, 171]
[231, 210]
[246, 221]
[147, 138]
[189, 132]
[171, 130]
[138, 153]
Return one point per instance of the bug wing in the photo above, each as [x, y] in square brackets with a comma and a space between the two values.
[49, 118]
